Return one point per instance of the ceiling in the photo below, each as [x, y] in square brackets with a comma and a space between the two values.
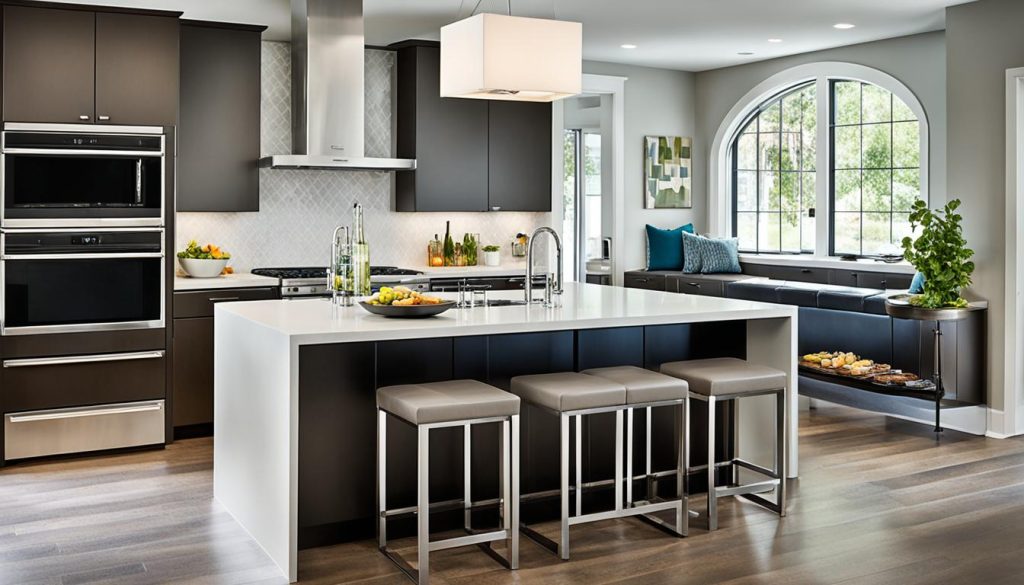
[691, 35]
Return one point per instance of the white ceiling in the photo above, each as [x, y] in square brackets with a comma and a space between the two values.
[691, 35]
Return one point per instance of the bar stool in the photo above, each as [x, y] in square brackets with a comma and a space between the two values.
[449, 404]
[571, 395]
[719, 379]
[648, 390]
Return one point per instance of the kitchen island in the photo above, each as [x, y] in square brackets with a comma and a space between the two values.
[294, 405]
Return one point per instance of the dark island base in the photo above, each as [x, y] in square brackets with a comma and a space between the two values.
[337, 426]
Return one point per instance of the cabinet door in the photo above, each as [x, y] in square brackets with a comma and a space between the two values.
[219, 129]
[446, 136]
[519, 156]
[48, 65]
[193, 372]
[136, 69]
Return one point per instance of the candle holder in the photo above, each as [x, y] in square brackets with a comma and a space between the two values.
[435, 253]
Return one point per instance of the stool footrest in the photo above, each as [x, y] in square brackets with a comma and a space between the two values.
[756, 468]
[468, 540]
[750, 488]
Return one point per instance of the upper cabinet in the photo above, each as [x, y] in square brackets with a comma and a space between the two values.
[79, 66]
[219, 126]
[471, 155]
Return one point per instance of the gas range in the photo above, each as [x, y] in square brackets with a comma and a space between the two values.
[312, 281]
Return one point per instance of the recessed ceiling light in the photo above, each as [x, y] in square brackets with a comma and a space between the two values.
[745, 53]
[774, 40]
[628, 46]
[843, 26]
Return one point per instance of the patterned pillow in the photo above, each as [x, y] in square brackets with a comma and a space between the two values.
[710, 256]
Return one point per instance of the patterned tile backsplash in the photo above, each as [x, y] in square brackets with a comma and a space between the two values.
[300, 208]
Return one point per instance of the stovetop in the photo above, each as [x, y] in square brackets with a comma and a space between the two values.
[321, 272]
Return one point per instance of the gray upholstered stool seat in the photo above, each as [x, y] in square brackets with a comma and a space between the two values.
[567, 391]
[725, 376]
[439, 405]
[729, 379]
[448, 401]
[643, 386]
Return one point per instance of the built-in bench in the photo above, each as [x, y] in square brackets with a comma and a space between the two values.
[838, 317]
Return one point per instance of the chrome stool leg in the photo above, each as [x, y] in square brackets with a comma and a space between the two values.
[423, 506]
[563, 543]
[467, 493]
[712, 491]
[382, 492]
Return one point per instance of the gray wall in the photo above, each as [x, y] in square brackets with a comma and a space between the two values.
[983, 40]
[919, 61]
[658, 102]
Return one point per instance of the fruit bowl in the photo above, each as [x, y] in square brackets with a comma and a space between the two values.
[408, 311]
[203, 268]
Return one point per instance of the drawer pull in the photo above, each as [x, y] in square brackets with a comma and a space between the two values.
[83, 359]
[805, 270]
[696, 284]
[78, 413]
[222, 299]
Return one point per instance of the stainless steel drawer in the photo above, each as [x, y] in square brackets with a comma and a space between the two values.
[88, 428]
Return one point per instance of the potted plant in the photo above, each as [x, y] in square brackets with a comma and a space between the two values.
[492, 255]
[940, 254]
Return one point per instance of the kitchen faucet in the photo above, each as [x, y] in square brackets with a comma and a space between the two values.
[528, 285]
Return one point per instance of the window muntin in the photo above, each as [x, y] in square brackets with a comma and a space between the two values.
[875, 168]
[774, 175]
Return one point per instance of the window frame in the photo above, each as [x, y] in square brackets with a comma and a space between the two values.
[778, 98]
[721, 179]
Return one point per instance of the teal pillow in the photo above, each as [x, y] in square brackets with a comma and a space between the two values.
[665, 247]
[917, 284]
[711, 256]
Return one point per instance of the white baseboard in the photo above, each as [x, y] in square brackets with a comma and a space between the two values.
[999, 427]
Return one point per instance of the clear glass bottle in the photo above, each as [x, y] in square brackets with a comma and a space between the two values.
[360, 255]
[340, 273]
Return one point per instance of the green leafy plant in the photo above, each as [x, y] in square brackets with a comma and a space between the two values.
[491, 248]
[940, 254]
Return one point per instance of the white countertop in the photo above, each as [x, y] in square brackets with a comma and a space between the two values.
[584, 306]
[239, 280]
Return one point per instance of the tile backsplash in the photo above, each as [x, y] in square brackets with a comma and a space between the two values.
[300, 208]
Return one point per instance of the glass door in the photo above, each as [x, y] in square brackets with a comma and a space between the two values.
[584, 215]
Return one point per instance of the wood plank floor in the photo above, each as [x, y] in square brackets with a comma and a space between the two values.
[879, 502]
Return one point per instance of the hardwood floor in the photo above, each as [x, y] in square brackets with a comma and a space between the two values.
[879, 502]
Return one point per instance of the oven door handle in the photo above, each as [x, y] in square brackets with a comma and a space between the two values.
[84, 359]
[89, 256]
[83, 152]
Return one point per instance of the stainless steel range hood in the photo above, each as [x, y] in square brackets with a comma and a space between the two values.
[327, 91]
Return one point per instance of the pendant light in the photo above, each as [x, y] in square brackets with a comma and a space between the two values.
[504, 57]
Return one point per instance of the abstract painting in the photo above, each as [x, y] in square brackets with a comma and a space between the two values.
[667, 172]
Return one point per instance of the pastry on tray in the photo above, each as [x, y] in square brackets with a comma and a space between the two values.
[896, 378]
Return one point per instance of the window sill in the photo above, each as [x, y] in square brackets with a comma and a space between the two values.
[810, 261]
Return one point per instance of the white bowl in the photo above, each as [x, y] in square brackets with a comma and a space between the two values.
[202, 268]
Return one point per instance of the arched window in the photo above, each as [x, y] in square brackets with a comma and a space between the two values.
[828, 162]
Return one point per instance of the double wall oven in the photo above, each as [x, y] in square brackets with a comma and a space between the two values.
[83, 262]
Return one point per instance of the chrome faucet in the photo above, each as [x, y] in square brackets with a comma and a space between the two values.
[528, 285]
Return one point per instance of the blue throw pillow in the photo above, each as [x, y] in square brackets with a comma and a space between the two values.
[692, 245]
[917, 285]
[711, 256]
[665, 247]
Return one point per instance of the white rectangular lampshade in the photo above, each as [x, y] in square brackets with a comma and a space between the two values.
[498, 57]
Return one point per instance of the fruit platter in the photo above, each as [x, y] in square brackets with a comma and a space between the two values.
[401, 301]
[842, 363]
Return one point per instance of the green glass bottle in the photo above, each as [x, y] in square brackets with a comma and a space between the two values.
[360, 255]
[449, 245]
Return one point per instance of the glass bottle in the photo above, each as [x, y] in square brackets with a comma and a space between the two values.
[449, 245]
[341, 268]
[360, 254]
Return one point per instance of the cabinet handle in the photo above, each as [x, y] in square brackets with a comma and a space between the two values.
[83, 359]
[84, 118]
[805, 270]
[103, 118]
[222, 299]
[883, 283]
[127, 409]
[495, 208]
[336, 147]
[696, 284]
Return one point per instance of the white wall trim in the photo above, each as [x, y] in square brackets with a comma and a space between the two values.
[615, 86]
[719, 163]
[1011, 419]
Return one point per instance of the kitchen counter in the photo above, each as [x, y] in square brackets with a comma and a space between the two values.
[516, 269]
[295, 381]
[238, 280]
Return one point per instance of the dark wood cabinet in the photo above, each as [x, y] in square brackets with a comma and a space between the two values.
[446, 136]
[48, 65]
[136, 69]
[519, 157]
[219, 122]
[471, 155]
[79, 66]
[192, 355]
